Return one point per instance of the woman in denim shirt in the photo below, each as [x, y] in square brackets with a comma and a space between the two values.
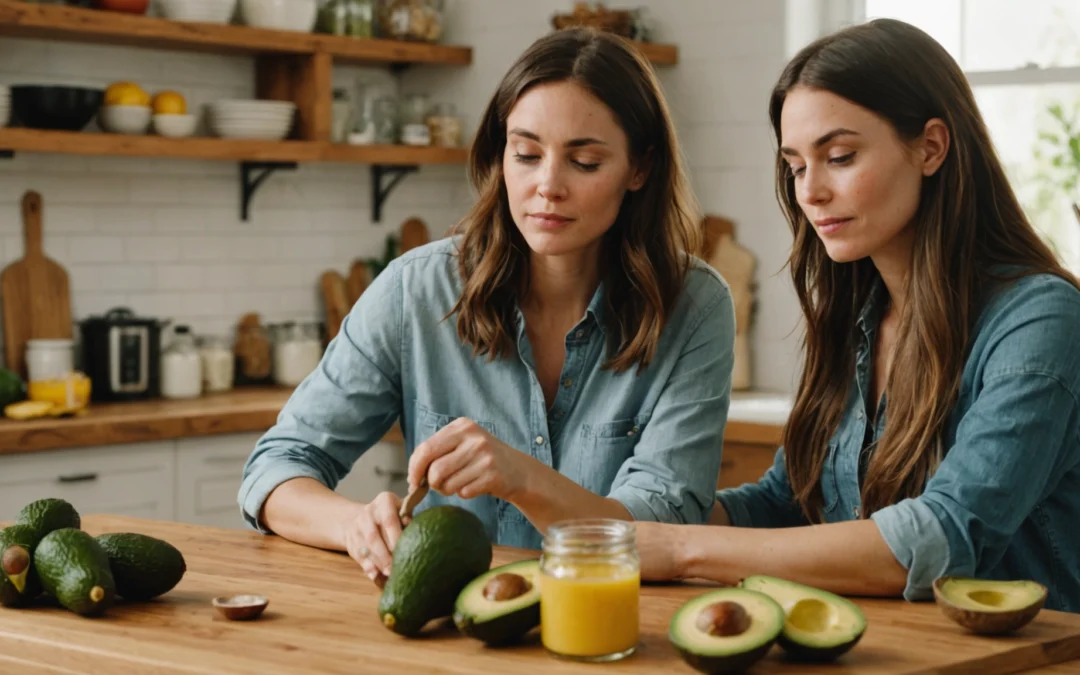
[935, 428]
[561, 357]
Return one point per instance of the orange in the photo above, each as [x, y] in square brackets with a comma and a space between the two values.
[169, 103]
[126, 93]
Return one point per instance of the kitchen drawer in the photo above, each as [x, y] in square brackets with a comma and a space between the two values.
[130, 479]
[744, 463]
[208, 473]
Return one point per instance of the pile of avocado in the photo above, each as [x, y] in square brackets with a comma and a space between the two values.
[47, 551]
[729, 629]
[441, 568]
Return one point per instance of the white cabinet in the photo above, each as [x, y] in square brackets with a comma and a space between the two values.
[132, 479]
[381, 469]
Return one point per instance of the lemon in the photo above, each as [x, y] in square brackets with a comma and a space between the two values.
[126, 93]
[169, 103]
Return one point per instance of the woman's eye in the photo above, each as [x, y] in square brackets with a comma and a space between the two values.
[797, 170]
[584, 166]
[526, 159]
[842, 159]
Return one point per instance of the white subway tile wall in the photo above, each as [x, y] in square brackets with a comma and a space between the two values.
[165, 238]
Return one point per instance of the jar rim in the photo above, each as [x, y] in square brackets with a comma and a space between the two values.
[590, 536]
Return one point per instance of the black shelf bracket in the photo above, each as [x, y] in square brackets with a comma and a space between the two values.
[7, 154]
[380, 192]
[252, 175]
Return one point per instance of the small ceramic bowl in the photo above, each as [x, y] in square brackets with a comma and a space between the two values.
[240, 607]
[125, 119]
[175, 126]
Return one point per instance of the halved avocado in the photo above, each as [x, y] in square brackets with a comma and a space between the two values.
[501, 605]
[726, 630]
[989, 607]
[818, 625]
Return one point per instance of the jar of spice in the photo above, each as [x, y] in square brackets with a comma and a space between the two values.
[415, 20]
[444, 125]
[414, 129]
[385, 118]
[590, 584]
[181, 367]
[350, 18]
[217, 364]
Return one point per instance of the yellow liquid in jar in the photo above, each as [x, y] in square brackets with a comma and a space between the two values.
[589, 610]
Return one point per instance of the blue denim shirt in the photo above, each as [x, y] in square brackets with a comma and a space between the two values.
[651, 440]
[1005, 501]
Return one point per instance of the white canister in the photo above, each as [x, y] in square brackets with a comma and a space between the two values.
[218, 364]
[181, 367]
[49, 359]
[297, 352]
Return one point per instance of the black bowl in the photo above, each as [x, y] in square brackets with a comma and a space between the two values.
[55, 107]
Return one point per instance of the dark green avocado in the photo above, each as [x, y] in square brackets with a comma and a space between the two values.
[726, 630]
[501, 605]
[819, 626]
[143, 567]
[18, 580]
[46, 515]
[440, 551]
[75, 570]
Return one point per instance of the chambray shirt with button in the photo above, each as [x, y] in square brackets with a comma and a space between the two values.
[1005, 501]
[651, 440]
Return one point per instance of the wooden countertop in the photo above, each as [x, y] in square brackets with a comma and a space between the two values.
[241, 410]
[322, 618]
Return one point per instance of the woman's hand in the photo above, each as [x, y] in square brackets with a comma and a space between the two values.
[465, 460]
[660, 547]
[371, 533]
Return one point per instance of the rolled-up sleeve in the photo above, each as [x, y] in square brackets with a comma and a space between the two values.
[767, 503]
[1017, 437]
[672, 475]
[341, 409]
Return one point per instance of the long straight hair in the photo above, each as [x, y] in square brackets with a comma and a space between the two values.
[968, 222]
[644, 258]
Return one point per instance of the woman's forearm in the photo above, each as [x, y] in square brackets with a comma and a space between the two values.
[849, 558]
[549, 497]
[307, 512]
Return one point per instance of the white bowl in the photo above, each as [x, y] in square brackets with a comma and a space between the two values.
[125, 119]
[175, 126]
[204, 11]
[297, 15]
[253, 105]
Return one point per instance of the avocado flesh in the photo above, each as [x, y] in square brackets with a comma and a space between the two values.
[818, 626]
[989, 607]
[46, 515]
[75, 570]
[726, 654]
[440, 551]
[497, 622]
[143, 567]
[18, 590]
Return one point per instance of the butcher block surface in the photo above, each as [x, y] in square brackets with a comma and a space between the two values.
[322, 619]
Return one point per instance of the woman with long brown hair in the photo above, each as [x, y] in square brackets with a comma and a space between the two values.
[936, 429]
[561, 356]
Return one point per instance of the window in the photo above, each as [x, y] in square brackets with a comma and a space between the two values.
[1023, 62]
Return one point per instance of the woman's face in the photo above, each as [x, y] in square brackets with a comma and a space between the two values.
[856, 180]
[567, 167]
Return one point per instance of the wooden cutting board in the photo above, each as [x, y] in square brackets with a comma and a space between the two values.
[323, 618]
[336, 301]
[35, 292]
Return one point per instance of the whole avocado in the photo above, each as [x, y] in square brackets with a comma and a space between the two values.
[74, 569]
[143, 567]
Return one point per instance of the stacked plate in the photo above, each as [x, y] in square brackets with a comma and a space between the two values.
[5, 106]
[263, 120]
[205, 11]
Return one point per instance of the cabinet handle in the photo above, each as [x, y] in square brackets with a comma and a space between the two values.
[392, 474]
[78, 478]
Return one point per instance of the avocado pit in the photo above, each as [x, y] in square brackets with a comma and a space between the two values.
[15, 560]
[506, 586]
[723, 619]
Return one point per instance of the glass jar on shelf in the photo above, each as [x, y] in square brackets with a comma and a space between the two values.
[341, 116]
[181, 366]
[218, 365]
[349, 18]
[414, 129]
[297, 351]
[444, 125]
[385, 118]
[413, 20]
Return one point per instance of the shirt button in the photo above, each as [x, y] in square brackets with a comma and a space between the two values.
[567, 383]
[539, 440]
[632, 431]
[855, 511]
[858, 415]
[580, 334]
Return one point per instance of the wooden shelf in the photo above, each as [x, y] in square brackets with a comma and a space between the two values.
[88, 143]
[658, 54]
[238, 411]
[75, 24]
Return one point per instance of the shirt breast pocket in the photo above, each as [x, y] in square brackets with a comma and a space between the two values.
[605, 448]
[429, 422]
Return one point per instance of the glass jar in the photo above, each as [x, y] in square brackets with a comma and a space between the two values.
[414, 129]
[590, 582]
[385, 117]
[341, 116]
[415, 20]
[181, 367]
[296, 353]
[218, 365]
[49, 359]
[444, 125]
[350, 18]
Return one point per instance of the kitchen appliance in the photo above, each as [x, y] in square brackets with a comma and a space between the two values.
[121, 353]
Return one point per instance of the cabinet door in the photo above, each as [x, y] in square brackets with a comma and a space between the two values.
[744, 463]
[381, 469]
[133, 479]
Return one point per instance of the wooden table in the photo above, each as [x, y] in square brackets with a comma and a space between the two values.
[322, 619]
